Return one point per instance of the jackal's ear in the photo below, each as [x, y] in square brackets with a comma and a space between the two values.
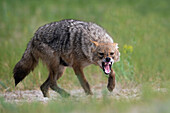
[94, 42]
[116, 45]
[117, 56]
[116, 52]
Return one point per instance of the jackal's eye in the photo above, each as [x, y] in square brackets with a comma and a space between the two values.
[101, 54]
[112, 53]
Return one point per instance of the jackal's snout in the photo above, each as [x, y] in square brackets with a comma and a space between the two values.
[107, 59]
[107, 64]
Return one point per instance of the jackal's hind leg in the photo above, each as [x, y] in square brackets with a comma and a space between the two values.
[60, 72]
[62, 92]
[45, 88]
[55, 75]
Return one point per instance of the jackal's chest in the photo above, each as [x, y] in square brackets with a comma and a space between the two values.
[66, 60]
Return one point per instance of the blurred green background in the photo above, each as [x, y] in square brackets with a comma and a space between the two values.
[140, 27]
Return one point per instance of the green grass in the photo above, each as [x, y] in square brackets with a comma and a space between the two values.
[150, 102]
[140, 27]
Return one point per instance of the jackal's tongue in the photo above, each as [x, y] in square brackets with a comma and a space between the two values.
[107, 68]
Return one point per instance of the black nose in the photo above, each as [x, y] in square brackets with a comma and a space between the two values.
[108, 59]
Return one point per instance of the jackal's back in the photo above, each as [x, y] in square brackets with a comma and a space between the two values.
[67, 36]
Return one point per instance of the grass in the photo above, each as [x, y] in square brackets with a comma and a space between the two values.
[140, 27]
[150, 102]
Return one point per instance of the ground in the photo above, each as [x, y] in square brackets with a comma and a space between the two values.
[99, 91]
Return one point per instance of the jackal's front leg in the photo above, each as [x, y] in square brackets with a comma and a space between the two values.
[111, 81]
[80, 75]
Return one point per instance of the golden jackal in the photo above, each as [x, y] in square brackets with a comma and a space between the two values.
[68, 43]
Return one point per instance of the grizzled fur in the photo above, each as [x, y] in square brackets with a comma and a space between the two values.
[61, 44]
[69, 35]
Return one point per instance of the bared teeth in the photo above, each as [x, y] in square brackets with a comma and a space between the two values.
[107, 63]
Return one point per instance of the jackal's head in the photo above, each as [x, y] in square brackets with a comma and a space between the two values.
[105, 54]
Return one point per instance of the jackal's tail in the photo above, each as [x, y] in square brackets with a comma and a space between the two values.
[25, 65]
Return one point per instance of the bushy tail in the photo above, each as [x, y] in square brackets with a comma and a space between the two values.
[25, 65]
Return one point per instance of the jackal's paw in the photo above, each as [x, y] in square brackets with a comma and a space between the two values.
[45, 93]
[110, 87]
[89, 93]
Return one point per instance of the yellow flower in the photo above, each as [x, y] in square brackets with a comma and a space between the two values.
[127, 49]
[130, 48]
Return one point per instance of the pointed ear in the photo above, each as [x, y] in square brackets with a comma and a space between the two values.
[94, 42]
[116, 45]
[117, 56]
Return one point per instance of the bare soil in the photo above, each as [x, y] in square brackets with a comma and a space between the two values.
[99, 91]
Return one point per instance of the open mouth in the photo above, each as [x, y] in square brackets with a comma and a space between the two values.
[107, 67]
